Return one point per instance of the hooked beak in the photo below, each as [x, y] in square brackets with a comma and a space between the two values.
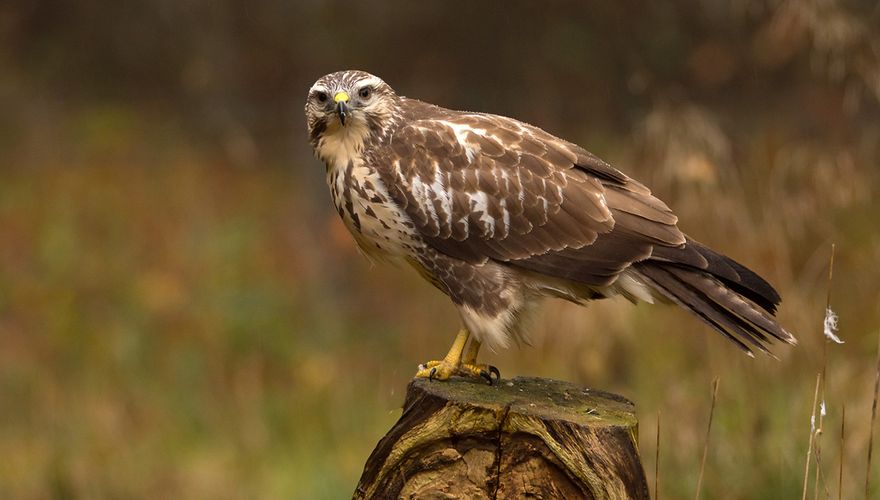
[342, 107]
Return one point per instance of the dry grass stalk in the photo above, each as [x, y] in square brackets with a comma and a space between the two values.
[829, 326]
[810, 445]
[657, 461]
[842, 437]
[871, 429]
[708, 433]
[820, 474]
[830, 275]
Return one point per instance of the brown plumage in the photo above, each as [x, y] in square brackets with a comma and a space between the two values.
[498, 213]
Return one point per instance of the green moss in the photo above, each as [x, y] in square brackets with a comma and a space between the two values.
[549, 399]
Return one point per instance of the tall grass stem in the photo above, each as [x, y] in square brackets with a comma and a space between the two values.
[873, 418]
[708, 434]
[657, 461]
[810, 444]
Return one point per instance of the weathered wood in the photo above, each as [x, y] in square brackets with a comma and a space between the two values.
[524, 437]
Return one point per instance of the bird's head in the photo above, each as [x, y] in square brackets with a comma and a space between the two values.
[347, 109]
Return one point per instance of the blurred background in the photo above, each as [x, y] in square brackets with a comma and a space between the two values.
[182, 315]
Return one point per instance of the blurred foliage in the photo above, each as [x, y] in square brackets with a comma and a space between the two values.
[181, 313]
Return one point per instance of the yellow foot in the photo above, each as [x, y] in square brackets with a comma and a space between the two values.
[442, 370]
[482, 370]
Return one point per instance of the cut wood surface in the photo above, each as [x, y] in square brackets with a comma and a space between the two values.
[518, 438]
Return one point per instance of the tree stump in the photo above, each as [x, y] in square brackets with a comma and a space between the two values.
[524, 437]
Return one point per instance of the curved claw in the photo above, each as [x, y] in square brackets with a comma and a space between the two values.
[487, 375]
[433, 372]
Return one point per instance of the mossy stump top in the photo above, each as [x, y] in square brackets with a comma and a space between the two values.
[522, 437]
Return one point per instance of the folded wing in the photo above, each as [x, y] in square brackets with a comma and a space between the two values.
[480, 187]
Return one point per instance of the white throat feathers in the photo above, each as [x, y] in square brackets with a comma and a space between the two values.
[342, 144]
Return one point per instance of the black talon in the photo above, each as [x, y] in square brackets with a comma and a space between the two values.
[485, 375]
[431, 374]
[494, 370]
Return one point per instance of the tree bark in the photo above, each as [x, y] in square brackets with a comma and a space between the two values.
[519, 438]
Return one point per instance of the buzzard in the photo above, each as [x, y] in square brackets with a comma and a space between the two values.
[498, 214]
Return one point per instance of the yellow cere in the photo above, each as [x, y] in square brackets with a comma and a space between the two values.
[341, 97]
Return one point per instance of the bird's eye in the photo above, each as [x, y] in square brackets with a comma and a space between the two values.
[366, 92]
[321, 97]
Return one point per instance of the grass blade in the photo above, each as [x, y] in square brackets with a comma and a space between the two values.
[810, 445]
[873, 418]
[657, 461]
[842, 436]
[708, 433]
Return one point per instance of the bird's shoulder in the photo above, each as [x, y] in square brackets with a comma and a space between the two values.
[467, 139]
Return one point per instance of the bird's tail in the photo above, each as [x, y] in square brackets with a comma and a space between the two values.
[723, 293]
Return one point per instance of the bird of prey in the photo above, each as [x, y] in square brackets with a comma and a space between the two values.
[498, 214]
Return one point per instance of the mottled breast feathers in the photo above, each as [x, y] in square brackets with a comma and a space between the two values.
[481, 186]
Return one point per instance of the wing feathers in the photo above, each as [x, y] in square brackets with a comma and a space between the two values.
[728, 312]
[517, 193]
[660, 234]
[733, 274]
[647, 207]
[481, 187]
[731, 301]
[700, 306]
